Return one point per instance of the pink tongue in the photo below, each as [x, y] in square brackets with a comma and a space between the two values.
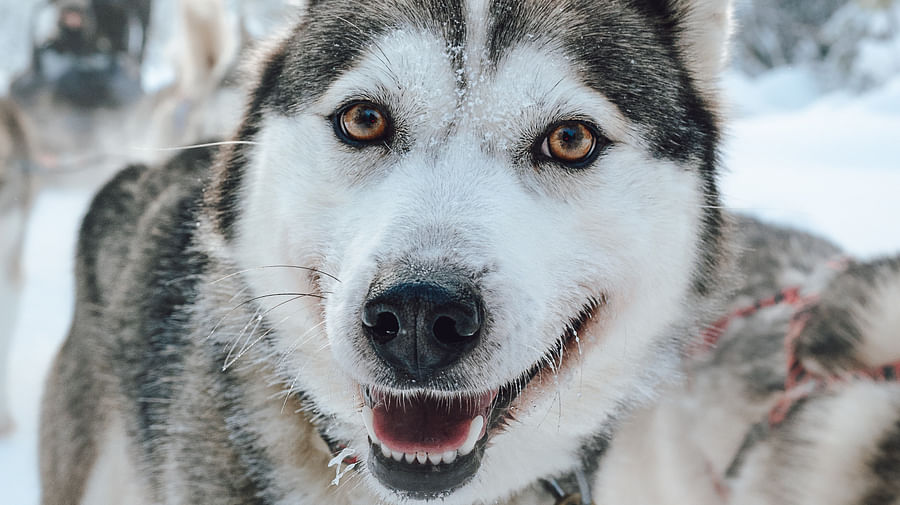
[426, 424]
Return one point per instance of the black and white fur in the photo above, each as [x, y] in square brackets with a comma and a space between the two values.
[217, 353]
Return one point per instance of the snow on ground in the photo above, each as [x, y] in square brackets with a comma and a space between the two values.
[44, 317]
[829, 164]
[825, 163]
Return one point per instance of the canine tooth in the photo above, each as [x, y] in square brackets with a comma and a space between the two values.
[435, 458]
[421, 457]
[409, 457]
[385, 450]
[449, 457]
[397, 455]
[369, 420]
[474, 434]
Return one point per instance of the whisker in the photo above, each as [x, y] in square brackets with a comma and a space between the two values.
[544, 98]
[270, 330]
[291, 388]
[244, 349]
[549, 409]
[259, 319]
[239, 293]
[228, 362]
[298, 267]
[297, 342]
[255, 298]
[559, 412]
[387, 61]
[196, 146]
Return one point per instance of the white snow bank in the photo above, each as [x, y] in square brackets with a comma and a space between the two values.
[832, 167]
[46, 310]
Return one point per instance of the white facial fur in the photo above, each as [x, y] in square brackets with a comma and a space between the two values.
[546, 239]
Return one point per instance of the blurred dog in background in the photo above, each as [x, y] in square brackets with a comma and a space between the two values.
[15, 200]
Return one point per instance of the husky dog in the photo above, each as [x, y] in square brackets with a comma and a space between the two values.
[451, 248]
[203, 102]
[15, 198]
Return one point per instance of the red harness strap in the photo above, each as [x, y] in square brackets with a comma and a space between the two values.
[712, 335]
[714, 332]
[799, 382]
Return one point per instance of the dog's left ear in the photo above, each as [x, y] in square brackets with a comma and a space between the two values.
[703, 29]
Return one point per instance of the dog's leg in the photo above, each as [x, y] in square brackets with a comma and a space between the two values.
[8, 307]
[113, 480]
[10, 287]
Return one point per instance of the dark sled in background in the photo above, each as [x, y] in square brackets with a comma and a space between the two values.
[86, 53]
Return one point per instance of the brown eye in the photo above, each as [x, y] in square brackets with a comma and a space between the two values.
[572, 143]
[362, 123]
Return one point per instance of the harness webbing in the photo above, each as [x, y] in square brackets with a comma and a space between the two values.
[800, 382]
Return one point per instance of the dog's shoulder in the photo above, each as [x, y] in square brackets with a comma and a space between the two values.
[773, 257]
[143, 212]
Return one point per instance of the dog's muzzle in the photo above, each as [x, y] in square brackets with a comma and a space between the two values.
[420, 322]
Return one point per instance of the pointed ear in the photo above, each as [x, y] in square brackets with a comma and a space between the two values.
[703, 31]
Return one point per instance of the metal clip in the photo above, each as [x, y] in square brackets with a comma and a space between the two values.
[570, 499]
[563, 498]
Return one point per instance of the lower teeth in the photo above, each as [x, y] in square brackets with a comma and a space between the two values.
[419, 457]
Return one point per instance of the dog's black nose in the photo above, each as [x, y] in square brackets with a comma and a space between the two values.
[421, 327]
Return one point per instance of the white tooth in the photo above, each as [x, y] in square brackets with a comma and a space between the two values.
[421, 457]
[369, 420]
[435, 457]
[449, 457]
[409, 457]
[474, 434]
[385, 450]
[397, 455]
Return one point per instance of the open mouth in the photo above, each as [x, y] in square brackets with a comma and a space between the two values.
[422, 445]
[425, 445]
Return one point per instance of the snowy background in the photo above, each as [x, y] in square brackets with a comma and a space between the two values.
[814, 141]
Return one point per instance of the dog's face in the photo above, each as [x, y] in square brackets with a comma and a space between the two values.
[507, 209]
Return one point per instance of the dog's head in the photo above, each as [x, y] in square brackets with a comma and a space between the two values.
[509, 216]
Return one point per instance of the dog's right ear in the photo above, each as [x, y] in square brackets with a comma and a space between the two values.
[702, 29]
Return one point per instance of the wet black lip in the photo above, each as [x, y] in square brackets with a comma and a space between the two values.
[425, 482]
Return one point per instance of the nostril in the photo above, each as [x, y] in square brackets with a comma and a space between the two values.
[386, 327]
[448, 331]
[445, 330]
